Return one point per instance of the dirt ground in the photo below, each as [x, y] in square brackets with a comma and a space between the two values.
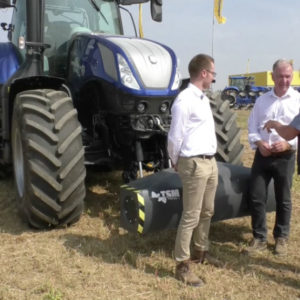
[97, 259]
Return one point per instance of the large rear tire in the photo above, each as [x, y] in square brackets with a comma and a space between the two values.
[230, 95]
[230, 149]
[48, 158]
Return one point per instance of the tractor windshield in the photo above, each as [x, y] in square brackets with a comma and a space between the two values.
[241, 82]
[63, 18]
[238, 82]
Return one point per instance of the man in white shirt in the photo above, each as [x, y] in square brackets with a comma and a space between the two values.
[274, 158]
[192, 145]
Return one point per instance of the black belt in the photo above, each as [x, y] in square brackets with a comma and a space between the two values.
[283, 154]
[204, 156]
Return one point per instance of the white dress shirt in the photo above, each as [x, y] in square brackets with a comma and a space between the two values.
[192, 130]
[271, 107]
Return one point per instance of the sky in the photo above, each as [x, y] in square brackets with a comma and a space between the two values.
[255, 35]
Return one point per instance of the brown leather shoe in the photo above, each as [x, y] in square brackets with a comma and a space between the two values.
[255, 247]
[281, 246]
[203, 257]
[184, 273]
[198, 256]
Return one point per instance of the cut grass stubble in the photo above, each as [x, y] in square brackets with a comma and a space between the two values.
[97, 259]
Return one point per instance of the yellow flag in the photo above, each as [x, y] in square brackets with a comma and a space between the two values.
[218, 11]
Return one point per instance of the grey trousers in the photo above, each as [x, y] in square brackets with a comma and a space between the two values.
[199, 182]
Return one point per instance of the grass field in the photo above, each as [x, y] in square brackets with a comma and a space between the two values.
[96, 259]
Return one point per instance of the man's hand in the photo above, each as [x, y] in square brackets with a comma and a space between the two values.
[280, 146]
[174, 166]
[272, 124]
[286, 131]
[264, 148]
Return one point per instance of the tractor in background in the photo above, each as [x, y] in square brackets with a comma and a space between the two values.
[242, 92]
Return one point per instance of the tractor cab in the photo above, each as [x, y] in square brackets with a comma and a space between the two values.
[57, 22]
[241, 82]
[61, 21]
[69, 18]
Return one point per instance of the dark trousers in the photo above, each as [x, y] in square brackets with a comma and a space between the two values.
[281, 169]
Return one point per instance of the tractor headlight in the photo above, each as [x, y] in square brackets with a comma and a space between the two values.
[177, 80]
[126, 75]
[164, 107]
[141, 107]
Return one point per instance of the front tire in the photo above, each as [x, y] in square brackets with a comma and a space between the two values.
[48, 158]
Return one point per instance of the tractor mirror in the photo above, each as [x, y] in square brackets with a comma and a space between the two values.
[5, 3]
[156, 10]
[156, 7]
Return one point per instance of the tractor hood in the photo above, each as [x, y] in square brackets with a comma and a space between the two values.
[141, 65]
[151, 61]
[133, 65]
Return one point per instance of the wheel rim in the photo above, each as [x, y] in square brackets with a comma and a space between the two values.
[18, 162]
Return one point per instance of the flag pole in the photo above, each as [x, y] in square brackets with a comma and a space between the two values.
[212, 42]
[213, 33]
[141, 33]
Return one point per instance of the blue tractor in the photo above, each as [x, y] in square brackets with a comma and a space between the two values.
[77, 92]
[242, 92]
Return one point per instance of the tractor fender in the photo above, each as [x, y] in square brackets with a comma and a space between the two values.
[15, 86]
[154, 203]
[231, 88]
[9, 62]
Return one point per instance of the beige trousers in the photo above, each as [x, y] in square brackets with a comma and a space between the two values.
[199, 179]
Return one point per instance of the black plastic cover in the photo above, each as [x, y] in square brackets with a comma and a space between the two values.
[129, 2]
